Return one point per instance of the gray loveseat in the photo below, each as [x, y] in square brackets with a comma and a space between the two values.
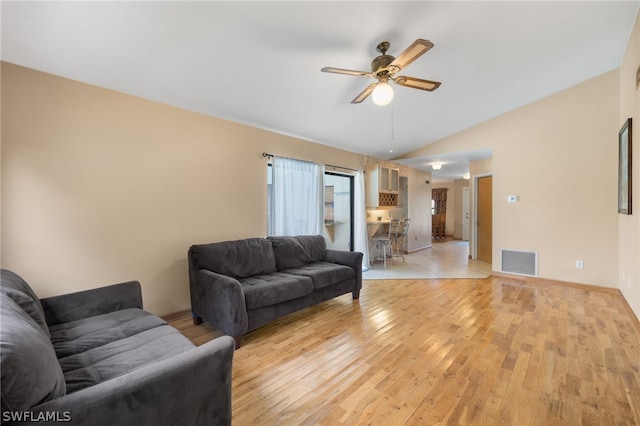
[96, 358]
[241, 285]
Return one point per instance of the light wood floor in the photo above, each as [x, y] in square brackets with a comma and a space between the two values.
[442, 351]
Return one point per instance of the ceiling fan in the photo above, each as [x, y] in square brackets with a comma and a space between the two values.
[384, 68]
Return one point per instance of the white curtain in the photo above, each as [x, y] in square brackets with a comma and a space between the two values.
[297, 197]
[360, 237]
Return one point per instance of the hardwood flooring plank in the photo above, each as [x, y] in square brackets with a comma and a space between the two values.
[493, 351]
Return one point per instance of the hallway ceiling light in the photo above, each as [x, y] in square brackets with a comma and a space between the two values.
[436, 166]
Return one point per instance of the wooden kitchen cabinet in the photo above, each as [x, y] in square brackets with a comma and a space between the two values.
[383, 186]
[389, 179]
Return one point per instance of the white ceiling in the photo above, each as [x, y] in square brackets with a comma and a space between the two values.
[258, 63]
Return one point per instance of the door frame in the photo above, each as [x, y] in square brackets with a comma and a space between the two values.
[474, 229]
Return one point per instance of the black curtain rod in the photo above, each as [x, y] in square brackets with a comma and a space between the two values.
[267, 155]
[340, 167]
[270, 156]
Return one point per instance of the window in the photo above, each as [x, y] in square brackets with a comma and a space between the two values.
[337, 210]
[340, 209]
[295, 199]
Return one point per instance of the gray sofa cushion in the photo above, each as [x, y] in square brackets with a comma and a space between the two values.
[267, 290]
[122, 356]
[324, 274]
[293, 252]
[14, 286]
[237, 259]
[30, 373]
[88, 333]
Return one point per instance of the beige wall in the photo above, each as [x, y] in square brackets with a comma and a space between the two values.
[560, 156]
[629, 226]
[100, 187]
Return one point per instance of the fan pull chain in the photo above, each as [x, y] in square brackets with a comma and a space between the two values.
[392, 131]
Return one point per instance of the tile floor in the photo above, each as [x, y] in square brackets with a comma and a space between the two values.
[448, 259]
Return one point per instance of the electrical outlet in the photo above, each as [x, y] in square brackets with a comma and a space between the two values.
[579, 264]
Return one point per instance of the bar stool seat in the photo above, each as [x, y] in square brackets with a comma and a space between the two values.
[403, 231]
[383, 244]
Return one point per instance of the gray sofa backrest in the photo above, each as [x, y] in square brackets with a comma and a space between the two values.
[17, 289]
[30, 372]
[237, 259]
[293, 252]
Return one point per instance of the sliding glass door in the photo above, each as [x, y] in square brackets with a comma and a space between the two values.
[338, 210]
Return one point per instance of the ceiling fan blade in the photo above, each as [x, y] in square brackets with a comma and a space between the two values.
[411, 53]
[344, 71]
[417, 83]
[363, 95]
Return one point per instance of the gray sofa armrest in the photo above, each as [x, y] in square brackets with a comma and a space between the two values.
[192, 388]
[219, 299]
[89, 303]
[352, 259]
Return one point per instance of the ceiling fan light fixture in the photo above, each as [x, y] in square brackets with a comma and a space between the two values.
[382, 94]
[384, 67]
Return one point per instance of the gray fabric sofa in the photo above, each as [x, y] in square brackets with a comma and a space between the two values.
[241, 285]
[96, 358]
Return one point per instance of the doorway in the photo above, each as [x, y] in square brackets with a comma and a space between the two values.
[484, 219]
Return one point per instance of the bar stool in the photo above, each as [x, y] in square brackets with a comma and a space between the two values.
[403, 231]
[383, 243]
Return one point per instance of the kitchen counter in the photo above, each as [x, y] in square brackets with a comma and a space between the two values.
[376, 227]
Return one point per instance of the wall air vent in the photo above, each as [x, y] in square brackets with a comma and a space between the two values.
[520, 262]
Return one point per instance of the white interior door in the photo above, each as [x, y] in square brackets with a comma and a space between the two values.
[466, 222]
